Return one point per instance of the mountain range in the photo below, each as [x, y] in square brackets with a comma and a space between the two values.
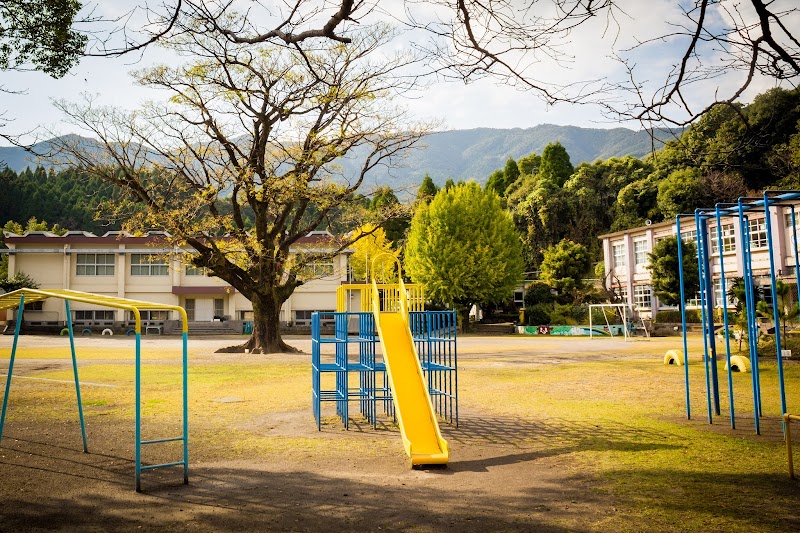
[466, 154]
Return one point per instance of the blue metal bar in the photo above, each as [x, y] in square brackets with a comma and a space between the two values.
[185, 360]
[75, 373]
[709, 302]
[752, 321]
[138, 408]
[11, 362]
[683, 316]
[724, 290]
[702, 242]
[158, 441]
[164, 465]
[776, 318]
[796, 256]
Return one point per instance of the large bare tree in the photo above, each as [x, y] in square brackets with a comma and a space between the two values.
[717, 48]
[243, 160]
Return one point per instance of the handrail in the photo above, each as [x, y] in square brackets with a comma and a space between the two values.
[402, 297]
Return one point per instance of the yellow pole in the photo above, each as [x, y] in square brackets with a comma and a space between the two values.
[787, 418]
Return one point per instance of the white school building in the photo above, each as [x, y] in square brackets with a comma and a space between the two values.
[626, 260]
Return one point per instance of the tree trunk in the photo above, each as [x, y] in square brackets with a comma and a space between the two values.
[266, 336]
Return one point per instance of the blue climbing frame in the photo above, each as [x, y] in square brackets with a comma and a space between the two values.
[740, 212]
[355, 341]
[17, 300]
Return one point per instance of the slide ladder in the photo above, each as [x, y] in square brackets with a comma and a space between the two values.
[419, 428]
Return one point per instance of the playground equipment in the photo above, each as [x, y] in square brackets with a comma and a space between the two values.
[19, 298]
[672, 358]
[414, 378]
[739, 212]
[622, 309]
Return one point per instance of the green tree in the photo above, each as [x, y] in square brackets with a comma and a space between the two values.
[543, 218]
[40, 33]
[463, 248]
[20, 280]
[636, 202]
[564, 265]
[427, 190]
[665, 273]
[496, 182]
[529, 165]
[394, 214]
[555, 164]
[221, 141]
[680, 192]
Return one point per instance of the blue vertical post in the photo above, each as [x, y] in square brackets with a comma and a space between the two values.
[702, 263]
[11, 362]
[724, 290]
[138, 408]
[186, 407]
[750, 308]
[796, 256]
[683, 315]
[709, 302]
[75, 374]
[775, 316]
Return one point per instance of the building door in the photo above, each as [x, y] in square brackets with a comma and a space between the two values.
[219, 307]
[190, 306]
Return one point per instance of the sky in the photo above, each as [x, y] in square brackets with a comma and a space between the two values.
[484, 103]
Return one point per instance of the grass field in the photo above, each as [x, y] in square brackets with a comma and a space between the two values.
[560, 434]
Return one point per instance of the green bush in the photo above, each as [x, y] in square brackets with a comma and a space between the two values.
[538, 293]
[766, 346]
[537, 315]
[673, 316]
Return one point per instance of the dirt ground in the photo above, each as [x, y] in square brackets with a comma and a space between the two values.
[507, 473]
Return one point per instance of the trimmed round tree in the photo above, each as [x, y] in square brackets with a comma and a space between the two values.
[463, 248]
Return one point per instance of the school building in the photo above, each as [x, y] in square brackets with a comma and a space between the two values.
[146, 268]
[626, 259]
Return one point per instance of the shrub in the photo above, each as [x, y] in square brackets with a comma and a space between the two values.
[537, 315]
[766, 346]
[538, 293]
[673, 316]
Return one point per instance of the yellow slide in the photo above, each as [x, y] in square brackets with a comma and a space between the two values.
[418, 426]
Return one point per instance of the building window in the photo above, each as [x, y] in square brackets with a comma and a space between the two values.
[148, 265]
[718, 294]
[303, 318]
[640, 250]
[189, 307]
[758, 233]
[150, 316]
[618, 252]
[642, 297]
[219, 307]
[519, 298]
[94, 316]
[318, 268]
[728, 239]
[95, 265]
[621, 293]
[192, 270]
[689, 236]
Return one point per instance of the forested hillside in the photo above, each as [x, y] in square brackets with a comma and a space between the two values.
[69, 198]
[461, 154]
